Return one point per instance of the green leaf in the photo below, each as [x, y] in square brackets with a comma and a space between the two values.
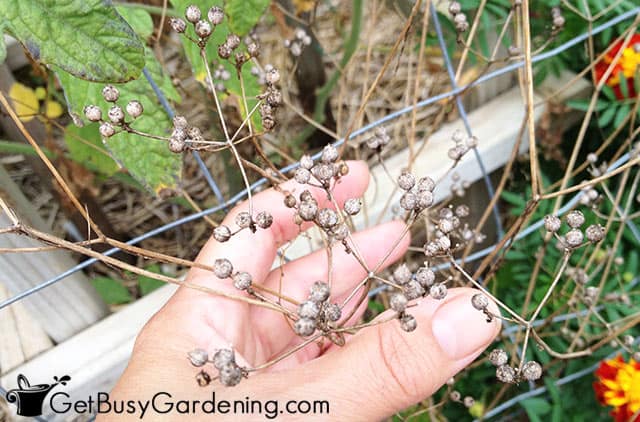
[139, 19]
[609, 93]
[149, 161]
[85, 38]
[86, 147]
[192, 51]
[3, 47]
[536, 407]
[112, 291]
[148, 284]
[621, 115]
[244, 14]
[606, 117]
[624, 87]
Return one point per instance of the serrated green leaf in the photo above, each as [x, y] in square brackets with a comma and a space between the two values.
[244, 14]
[86, 147]
[140, 20]
[232, 85]
[112, 291]
[149, 161]
[85, 38]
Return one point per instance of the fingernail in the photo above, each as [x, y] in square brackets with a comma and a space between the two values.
[460, 329]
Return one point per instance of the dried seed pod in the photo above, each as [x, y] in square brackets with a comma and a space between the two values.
[402, 274]
[426, 184]
[531, 371]
[177, 145]
[479, 301]
[223, 357]
[320, 291]
[438, 291]
[222, 268]
[425, 276]
[232, 41]
[304, 327]
[425, 199]
[406, 181]
[340, 232]
[253, 49]
[290, 201]
[308, 309]
[192, 13]
[242, 280]
[116, 114]
[107, 130]
[595, 233]
[498, 357]
[574, 238]
[398, 302]
[222, 233]
[230, 375]
[506, 374]
[454, 8]
[332, 312]
[308, 210]
[264, 220]
[268, 123]
[203, 379]
[329, 154]
[413, 290]
[93, 113]
[552, 223]
[468, 402]
[224, 52]
[198, 357]
[110, 93]
[408, 323]
[323, 172]
[462, 211]
[352, 206]
[272, 76]
[327, 218]
[178, 25]
[575, 219]
[134, 108]
[243, 219]
[306, 162]
[409, 201]
[180, 122]
[203, 29]
[302, 175]
[215, 15]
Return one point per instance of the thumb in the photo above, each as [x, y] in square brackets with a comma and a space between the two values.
[383, 369]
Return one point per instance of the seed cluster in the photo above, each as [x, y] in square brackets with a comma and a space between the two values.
[574, 237]
[459, 17]
[229, 372]
[317, 312]
[463, 144]
[116, 118]
[529, 371]
[300, 40]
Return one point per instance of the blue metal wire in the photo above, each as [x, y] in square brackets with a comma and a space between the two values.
[362, 130]
[169, 110]
[463, 114]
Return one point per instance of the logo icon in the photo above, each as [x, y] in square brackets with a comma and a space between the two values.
[29, 398]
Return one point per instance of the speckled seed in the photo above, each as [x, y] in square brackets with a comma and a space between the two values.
[479, 301]
[327, 218]
[264, 220]
[506, 374]
[222, 268]
[242, 280]
[221, 233]
[574, 238]
[498, 357]
[531, 371]
[243, 220]
[304, 327]
[198, 357]
[110, 93]
[409, 201]
[575, 219]
[332, 312]
[319, 292]
[408, 323]
[438, 291]
[93, 113]
[308, 210]
[215, 15]
[406, 181]
[595, 233]
[413, 290]
[552, 223]
[352, 206]
[398, 302]
[306, 162]
[402, 274]
[223, 357]
[230, 375]
[308, 309]
[425, 276]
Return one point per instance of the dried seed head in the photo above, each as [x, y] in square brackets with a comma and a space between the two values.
[531, 371]
[306, 162]
[309, 309]
[409, 201]
[595, 233]
[268, 123]
[304, 327]
[408, 323]
[178, 25]
[462, 211]
[222, 268]
[308, 210]
[445, 226]
[426, 184]
[221, 233]
[425, 199]
[406, 181]
[498, 357]
[180, 122]
[110, 93]
[438, 291]
[402, 274]
[290, 201]
[243, 220]
[198, 357]
[242, 280]
[332, 312]
[264, 220]
[327, 218]
[506, 374]
[203, 379]
[340, 232]
[192, 13]
[203, 29]
[230, 375]
[329, 154]
[558, 22]
[177, 145]
[398, 302]
[215, 15]
[352, 206]
[134, 108]
[320, 291]
[116, 114]
[93, 113]
[575, 219]
[253, 49]
[425, 276]
[224, 52]
[223, 357]
[302, 175]
[455, 395]
[107, 130]
[574, 238]
[552, 223]
[468, 402]
[323, 172]
[274, 98]
[455, 8]
[272, 77]
[232, 41]
[479, 301]
[413, 290]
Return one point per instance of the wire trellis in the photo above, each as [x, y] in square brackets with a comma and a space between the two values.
[454, 93]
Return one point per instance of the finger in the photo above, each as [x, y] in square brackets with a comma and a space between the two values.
[407, 366]
[380, 246]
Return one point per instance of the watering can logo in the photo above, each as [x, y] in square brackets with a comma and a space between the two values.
[29, 398]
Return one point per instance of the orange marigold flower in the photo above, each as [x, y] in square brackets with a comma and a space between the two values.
[618, 386]
[626, 65]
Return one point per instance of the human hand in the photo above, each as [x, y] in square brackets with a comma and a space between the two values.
[379, 371]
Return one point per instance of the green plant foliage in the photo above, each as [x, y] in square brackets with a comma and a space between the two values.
[88, 39]
[148, 284]
[140, 20]
[112, 291]
[244, 14]
[85, 147]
